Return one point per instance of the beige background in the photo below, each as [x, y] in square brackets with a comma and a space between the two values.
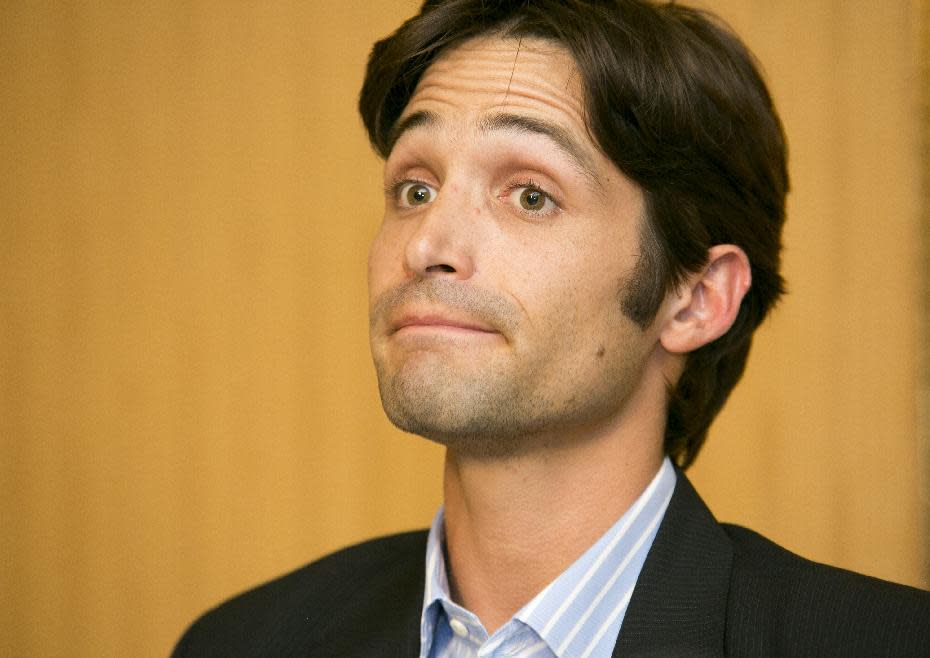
[186, 401]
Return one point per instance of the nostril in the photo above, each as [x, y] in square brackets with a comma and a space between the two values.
[440, 268]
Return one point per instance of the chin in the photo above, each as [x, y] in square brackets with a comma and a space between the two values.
[471, 417]
[439, 402]
[471, 439]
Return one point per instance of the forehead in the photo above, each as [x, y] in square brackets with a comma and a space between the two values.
[530, 77]
[508, 87]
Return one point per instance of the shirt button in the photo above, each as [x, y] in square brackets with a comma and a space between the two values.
[458, 628]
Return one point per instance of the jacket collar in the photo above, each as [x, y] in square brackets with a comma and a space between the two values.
[679, 604]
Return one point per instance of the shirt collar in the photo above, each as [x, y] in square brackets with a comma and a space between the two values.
[588, 600]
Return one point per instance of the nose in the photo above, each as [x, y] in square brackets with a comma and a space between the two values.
[443, 242]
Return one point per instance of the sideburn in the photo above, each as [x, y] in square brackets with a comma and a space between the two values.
[644, 290]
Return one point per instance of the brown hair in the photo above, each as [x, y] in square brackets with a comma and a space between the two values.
[676, 101]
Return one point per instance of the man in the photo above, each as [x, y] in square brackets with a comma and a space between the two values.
[584, 203]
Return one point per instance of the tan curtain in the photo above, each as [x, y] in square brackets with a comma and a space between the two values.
[186, 401]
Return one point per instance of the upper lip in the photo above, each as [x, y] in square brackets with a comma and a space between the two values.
[434, 318]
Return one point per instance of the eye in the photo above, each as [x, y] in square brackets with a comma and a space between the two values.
[414, 193]
[532, 200]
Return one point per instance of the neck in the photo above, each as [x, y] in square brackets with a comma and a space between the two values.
[513, 525]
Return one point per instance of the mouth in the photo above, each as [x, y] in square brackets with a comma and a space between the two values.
[433, 322]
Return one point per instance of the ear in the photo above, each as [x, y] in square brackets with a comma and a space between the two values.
[705, 306]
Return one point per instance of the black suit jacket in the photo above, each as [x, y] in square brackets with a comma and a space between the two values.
[705, 589]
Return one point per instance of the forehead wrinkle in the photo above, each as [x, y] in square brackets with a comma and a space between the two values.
[562, 139]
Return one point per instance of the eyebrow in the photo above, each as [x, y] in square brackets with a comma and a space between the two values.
[411, 121]
[556, 134]
[507, 122]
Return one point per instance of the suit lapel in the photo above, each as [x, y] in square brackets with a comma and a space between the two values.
[384, 619]
[679, 603]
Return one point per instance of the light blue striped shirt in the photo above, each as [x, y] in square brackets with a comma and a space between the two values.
[578, 615]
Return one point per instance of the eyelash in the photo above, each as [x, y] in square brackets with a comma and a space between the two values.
[393, 190]
[532, 185]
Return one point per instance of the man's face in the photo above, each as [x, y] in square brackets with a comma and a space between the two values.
[507, 244]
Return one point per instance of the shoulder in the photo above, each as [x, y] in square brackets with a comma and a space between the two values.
[363, 591]
[790, 605]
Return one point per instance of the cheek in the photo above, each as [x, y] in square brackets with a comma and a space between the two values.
[575, 277]
[556, 306]
[385, 260]
[575, 307]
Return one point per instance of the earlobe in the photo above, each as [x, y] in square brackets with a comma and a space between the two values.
[706, 305]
